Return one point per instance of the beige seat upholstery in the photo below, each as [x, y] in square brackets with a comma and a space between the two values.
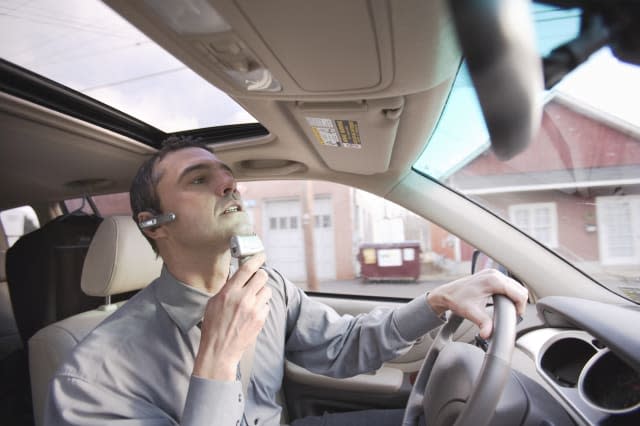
[119, 260]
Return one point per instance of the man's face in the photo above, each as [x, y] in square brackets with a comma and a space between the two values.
[201, 191]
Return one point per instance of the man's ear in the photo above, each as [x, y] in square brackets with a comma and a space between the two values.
[155, 232]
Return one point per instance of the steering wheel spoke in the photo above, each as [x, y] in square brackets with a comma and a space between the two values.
[487, 388]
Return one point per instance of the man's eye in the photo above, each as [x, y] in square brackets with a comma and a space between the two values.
[199, 180]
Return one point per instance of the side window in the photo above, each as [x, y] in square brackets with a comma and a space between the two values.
[359, 243]
[107, 205]
[17, 222]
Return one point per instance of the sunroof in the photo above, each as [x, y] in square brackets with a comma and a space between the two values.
[87, 47]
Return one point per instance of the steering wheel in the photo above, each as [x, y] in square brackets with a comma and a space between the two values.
[446, 389]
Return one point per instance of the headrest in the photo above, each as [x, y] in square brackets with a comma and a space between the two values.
[119, 259]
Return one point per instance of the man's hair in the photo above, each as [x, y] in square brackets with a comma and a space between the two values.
[142, 194]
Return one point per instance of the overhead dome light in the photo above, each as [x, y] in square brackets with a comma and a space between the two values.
[256, 80]
[198, 18]
[189, 16]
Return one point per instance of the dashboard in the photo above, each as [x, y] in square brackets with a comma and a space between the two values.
[588, 355]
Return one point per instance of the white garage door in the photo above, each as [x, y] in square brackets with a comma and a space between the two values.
[284, 240]
[325, 253]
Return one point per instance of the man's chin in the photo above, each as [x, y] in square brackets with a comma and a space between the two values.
[238, 224]
[241, 227]
[244, 229]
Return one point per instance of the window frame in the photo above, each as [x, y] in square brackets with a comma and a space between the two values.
[606, 258]
[530, 209]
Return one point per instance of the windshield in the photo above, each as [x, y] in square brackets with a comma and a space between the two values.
[576, 188]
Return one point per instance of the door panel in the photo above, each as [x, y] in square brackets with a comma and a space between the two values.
[308, 393]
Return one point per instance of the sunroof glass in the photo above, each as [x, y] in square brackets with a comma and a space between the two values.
[84, 45]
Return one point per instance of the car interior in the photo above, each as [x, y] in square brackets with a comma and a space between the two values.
[350, 93]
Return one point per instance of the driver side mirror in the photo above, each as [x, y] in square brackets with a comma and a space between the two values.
[480, 261]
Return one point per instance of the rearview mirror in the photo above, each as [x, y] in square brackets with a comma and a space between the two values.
[498, 42]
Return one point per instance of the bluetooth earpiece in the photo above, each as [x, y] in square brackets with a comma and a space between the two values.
[157, 220]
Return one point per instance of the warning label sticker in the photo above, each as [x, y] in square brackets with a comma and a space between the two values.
[339, 133]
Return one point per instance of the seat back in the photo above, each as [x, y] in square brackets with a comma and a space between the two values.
[43, 273]
[15, 395]
[118, 261]
[9, 337]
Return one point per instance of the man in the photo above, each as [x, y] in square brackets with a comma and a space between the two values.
[170, 355]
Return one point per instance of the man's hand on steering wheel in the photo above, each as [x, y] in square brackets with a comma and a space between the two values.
[448, 361]
[468, 296]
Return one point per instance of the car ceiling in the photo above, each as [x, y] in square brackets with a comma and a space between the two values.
[388, 65]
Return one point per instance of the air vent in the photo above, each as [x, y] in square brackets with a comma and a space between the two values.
[563, 361]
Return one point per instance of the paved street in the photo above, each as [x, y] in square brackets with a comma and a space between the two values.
[400, 289]
[629, 288]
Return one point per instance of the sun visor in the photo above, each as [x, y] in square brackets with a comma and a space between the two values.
[355, 137]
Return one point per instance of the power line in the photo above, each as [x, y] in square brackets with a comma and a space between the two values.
[72, 56]
[55, 15]
[21, 5]
[65, 49]
[129, 80]
[75, 23]
[52, 22]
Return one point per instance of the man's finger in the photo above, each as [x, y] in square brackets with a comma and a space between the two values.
[256, 282]
[498, 283]
[246, 270]
[518, 294]
[477, 314]
[263, 296]
[263, 311]
[486, 327]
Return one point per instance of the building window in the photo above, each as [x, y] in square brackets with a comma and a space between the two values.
[283, 223]
[322, 221]
[293, 222]
[273, 223]
[618, 229]
[539, 220]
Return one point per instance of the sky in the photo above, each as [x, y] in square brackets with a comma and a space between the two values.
[603, 83]
[86, 46]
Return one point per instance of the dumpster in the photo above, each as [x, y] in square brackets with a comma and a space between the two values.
[390, 261]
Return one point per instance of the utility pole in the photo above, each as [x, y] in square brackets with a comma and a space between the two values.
[308, 223]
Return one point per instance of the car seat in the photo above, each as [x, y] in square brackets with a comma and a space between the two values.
[43, 272]
[15, 396]
[119, 260]
[9, 337]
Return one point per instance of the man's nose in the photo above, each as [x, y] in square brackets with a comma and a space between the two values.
[234, 191]
[228, 186]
